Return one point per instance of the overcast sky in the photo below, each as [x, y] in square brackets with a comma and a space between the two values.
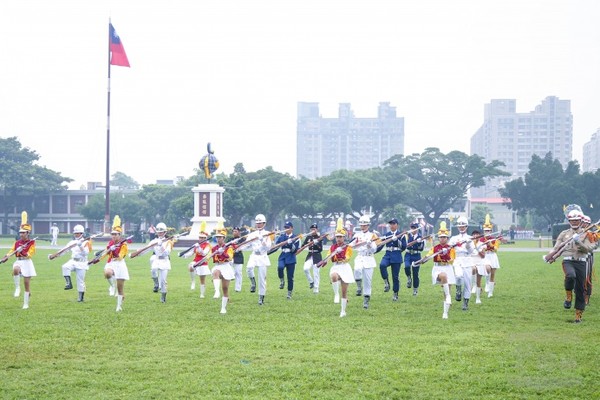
[231, 73]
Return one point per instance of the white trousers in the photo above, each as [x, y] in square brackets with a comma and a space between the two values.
[316, 273]
[237, 270]
[366, 274]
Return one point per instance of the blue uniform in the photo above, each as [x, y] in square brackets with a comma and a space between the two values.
[287, 258]
[413, 253]
[393, 257]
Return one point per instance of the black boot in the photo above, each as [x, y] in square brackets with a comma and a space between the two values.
[163, 297]
[395, 297]
[80, 298]
[386, 287]
[281, 283]
[458, 296]
[408, 282]
[155, 289]
[69, 285]
[289, 296]
[465, 306]
[366, 302]
[261, 300]
[359, 287]
[252, 285]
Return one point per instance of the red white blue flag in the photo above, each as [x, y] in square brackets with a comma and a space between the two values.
[117, 51]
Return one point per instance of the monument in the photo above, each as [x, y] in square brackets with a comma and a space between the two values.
[208, 198]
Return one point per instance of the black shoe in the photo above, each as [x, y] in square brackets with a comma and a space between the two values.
[366, 302]
[311, 285]
[465, 306]
[252, 285]
[68, 287]
[395, 297]
[80, 298]
[281, 283]
[458, 296]
[261, 300]
[289, 296]
[567, 304]
[409, 282]
[359, 292]
[386, 287]
[163, 297]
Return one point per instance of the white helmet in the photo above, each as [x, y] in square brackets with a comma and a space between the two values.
[462, 221]
[574, 215]
[260, 218]
[586, 219]
[161, 227]
[78, 229]
[364, 220]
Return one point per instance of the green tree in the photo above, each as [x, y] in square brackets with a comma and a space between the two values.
[21, 177]
[432, 182]
[478, 213]
[545, 189]
[130, 207]
[123, 181]
[158, 199]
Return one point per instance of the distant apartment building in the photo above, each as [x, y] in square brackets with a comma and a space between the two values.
[513, 137]
[591, 153]
[325, 145]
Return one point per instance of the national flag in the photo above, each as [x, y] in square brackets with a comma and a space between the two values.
[118, 56]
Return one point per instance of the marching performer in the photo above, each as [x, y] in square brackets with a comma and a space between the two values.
[392, 257]
[80, 248]
[222, 272]
[593, 235]
[364, 263]
[574, 246]
[341, 272]
[287, 257]
[314, 256]
[23, 249]
[201, 252]
[480, 267]
[162, 263]
[491, 257]
[261, 243]
[412, 254]
[443, 272]
[463, 247]
[116, 270]
[238, 257]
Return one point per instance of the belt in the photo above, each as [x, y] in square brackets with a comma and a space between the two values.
[339, 262]
[79, 259]
[258, 252]
[314, 251]
[393, 248]
[441, 263]
[22, 258]
[575, 259]
[162, 257]
[286, 250]
[413, 251]
[490, 251]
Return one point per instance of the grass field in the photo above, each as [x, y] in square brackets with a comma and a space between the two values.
[520, 344]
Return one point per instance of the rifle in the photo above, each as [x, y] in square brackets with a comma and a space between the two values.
[424, 260]
[228, 244]
[418, 240]
[274, 248]
[555, 253]
[255, 238]
[184, 252]
[104, 252]
[15, 251]
[69, 247]
[160, 241]
[316, 240]
[391, 238]
[324, 261]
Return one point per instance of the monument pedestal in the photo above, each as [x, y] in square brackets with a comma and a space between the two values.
[208, 207]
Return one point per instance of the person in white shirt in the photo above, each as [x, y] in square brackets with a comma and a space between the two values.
[54, 231]
[463, 263]
[260, 242]
[365, 244]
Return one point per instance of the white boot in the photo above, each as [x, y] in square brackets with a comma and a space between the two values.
[448, 299]
[491, 291]
[224, 301]
[119, 303]
[26, 301]
[217, 283]
[336, 292]
[111, 287]
[202, 290]
[446, 308]
[193, 278]
[17, 280]
[478, 294]
[343, 313]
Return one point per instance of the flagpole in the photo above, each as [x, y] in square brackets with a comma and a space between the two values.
[107, 189]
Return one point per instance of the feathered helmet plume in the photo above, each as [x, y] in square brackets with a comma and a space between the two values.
[116, 226]
[443, 232]
[487, 225]
[25, 227]
[220, 229]
[203, 229]
[339, 228]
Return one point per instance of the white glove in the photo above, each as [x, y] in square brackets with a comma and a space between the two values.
[575, 237]
[196, 245]
[290, 241]
[444, 251]
[338, 250]
[220, 250]
[112, 248]
[546, 260]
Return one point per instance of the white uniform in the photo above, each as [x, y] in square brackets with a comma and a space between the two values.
[364, 263]
[78, 262]
[463, 263]
[259, 258]
[161, 262]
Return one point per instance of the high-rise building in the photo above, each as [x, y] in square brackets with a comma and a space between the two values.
[514, 138]
[325, 145]
[591, 153]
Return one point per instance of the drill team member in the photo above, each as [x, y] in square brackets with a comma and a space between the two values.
[314, 256]
[287, 257]
[78, 262]
[463, 264]
[222, 272]
[161, 259]
[341, 272]
[364, 263]
[260, 245]
[201, 251]
[412, 254]
[392, 257]
[116, 269]
[238, 257]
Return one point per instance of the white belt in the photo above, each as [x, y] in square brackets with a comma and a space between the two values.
[393, 248]
[286, 250]
[162, 257]
[79, 259]
[574, 259]
[413, 251]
